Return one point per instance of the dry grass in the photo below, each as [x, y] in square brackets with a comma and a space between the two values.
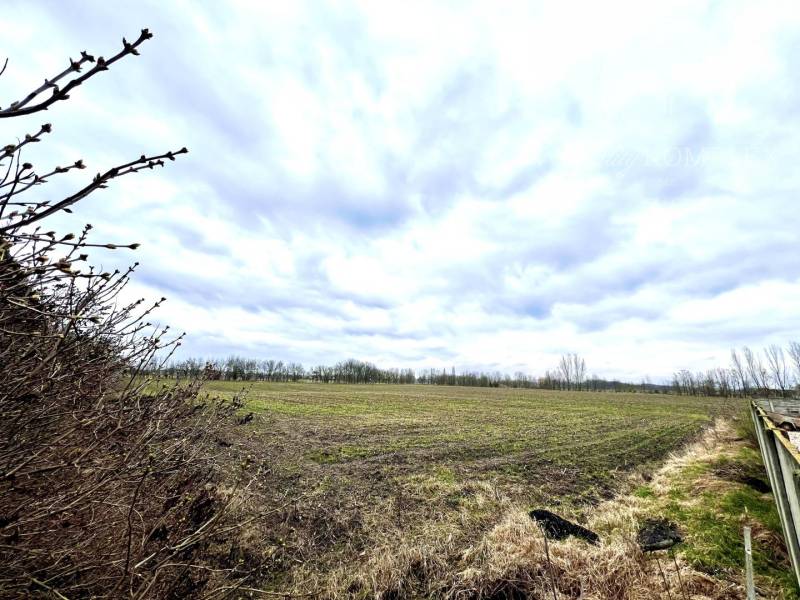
[508, 557]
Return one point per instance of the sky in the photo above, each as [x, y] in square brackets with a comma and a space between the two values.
[481, 185]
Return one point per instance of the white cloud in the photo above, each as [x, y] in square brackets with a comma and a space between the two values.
[443, 184]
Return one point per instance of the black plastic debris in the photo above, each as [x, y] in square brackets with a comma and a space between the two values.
[558, 528]
[658, 534]
[749, 475]
[759, 485]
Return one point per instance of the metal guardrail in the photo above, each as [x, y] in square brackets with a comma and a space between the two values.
[782, 461]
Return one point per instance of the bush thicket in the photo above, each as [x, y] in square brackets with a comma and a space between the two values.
[110, 486]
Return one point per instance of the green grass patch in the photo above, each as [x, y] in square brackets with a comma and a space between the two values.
[339, 454]
[712, 520]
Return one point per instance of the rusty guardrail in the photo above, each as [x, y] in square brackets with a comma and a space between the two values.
[775, 422]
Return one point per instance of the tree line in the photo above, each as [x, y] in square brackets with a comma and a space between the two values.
[569, 374]
[774, 371]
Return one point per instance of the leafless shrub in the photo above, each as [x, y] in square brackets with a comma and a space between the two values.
[109, 485]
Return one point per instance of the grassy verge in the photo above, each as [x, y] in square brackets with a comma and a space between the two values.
[711, 489]
[712, 498]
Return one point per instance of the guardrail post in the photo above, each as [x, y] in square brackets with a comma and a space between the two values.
[750, 585]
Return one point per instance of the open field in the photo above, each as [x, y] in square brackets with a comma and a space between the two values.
[365, 477]
[545, 444]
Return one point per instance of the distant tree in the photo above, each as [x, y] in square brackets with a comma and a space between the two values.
[740, 371]
[778, 370]
[756, 371]
[565, 371]
[794, 353]
[724, 378]
[578, 370]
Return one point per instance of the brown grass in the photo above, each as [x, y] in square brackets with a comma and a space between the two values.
[508, 560]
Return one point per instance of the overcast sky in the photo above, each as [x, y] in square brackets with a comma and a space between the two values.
[480, 185]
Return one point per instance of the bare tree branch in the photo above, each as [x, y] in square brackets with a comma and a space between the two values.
[20, 107]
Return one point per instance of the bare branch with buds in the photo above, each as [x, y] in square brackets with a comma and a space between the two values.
[24, 106]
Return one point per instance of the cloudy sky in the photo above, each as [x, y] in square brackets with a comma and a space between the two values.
[482, 185]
